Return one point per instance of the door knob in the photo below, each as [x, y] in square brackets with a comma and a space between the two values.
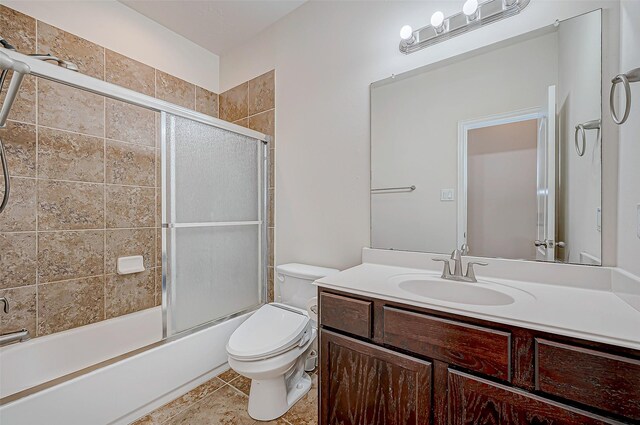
[540, 243]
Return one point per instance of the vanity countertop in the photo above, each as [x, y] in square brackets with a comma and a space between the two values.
[591, 313]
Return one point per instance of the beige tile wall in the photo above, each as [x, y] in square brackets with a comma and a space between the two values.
[84, 186]
[253, 104]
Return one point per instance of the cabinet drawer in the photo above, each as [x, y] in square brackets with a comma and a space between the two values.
[346, 314]
[473, 400]
[593, 378]
[483, 350]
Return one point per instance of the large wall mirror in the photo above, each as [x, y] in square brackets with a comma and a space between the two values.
[497, 150]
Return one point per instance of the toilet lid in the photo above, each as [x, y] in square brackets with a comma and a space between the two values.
[271, 330]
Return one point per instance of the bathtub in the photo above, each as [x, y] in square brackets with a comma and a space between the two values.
[118, 392]
[43, 359]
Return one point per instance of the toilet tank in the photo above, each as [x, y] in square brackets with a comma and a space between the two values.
[294, 283]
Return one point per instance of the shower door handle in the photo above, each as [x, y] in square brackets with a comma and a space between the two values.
[5, 173]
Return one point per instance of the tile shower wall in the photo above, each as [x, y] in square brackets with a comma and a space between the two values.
[252, 104]
[85, 183]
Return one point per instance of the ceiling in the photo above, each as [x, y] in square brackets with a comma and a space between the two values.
[216, 25]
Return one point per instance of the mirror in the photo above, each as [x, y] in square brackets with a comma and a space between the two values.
[497, 150]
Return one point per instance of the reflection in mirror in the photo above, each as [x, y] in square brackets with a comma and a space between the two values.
[497, 150]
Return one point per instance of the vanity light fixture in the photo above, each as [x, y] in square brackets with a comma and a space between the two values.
[437, 22]
[475, 14]
[470, 9]
[406, 34]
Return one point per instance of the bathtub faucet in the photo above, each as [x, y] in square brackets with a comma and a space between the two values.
[19, 336]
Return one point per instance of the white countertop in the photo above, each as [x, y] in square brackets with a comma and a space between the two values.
[592, 313]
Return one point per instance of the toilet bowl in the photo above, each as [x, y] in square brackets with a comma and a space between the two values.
[272, 346]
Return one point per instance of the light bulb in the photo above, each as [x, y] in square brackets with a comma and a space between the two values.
[470, 8]
[437, 19]
[406, 32]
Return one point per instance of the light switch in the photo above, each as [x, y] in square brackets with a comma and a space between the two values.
[599, 219]
[446, 195]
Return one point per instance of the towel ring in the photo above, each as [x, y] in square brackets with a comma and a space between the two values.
[624, 79]
[581, 130]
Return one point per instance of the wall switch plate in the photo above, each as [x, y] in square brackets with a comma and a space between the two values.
[638, 231]
[446, 195]
[599, 219]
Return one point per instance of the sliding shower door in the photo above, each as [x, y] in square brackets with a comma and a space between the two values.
[213, 220]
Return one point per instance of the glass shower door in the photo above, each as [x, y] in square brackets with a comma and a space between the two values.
[213, 220]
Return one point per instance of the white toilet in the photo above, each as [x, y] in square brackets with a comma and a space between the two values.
[271, 347]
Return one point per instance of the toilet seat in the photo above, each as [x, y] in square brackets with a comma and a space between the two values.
[270, 331]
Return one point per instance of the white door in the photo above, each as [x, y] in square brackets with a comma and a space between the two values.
[545, 237]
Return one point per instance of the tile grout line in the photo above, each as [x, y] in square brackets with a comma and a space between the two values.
[64, 130]
[81, 182]
[85, 182]
[75, 278]
[190, 405]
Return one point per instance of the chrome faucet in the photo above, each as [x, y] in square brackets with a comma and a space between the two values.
[457, 275]
[19, 336]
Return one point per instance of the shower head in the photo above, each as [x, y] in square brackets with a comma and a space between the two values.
[6, 44]
[63, 63]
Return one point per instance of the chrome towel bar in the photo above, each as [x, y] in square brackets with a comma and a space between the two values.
[632, 76]
[581, 130]
[392, 189]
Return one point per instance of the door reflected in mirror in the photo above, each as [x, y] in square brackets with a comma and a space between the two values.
[498, 150]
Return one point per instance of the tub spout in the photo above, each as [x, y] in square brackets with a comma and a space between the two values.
[12, 337]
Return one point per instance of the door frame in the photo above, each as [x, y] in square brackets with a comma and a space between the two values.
[464, 126]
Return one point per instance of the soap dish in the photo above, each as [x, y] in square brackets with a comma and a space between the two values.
[132, 264]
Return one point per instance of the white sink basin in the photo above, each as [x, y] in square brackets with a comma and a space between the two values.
[456, 292]
[436, 288]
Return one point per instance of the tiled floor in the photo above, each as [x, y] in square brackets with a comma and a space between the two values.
[223, 400]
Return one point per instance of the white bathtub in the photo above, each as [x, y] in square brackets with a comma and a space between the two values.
[119, 392]
[42, 359]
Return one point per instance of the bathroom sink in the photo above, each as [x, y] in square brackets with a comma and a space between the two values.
[452, 291]
[456, 292]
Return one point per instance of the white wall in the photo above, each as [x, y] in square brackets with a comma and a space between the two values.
[579, 100]
[414, 136]
[326, 54]
[113, 25]
[629, 242]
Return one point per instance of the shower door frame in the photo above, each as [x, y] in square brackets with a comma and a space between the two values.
[89, 84]
[47, 71]
[263, 220]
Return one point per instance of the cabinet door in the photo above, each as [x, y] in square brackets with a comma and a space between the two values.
[475, 401]
[361, 384]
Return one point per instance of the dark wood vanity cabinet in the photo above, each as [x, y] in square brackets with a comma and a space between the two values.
[384, 363]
